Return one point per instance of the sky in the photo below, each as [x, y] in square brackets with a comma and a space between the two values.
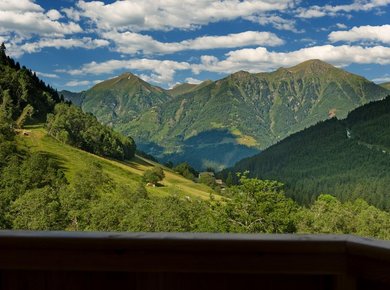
[73, 45]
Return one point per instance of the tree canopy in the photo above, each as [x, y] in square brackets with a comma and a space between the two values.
[154, 175]
[70, 125]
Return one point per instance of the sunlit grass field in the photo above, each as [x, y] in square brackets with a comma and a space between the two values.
[73, 161]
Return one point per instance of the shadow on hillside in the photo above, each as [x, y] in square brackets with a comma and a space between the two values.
[214, 148]
[135, 163]
[58, 160]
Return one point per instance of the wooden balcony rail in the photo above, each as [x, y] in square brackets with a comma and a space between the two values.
[76, 260]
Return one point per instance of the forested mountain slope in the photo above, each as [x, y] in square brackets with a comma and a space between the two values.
[348, 158]
[24, 95]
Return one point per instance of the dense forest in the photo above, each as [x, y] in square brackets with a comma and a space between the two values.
[36, 195]
[347, 158]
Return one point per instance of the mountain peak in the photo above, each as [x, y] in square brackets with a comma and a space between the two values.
[240, 74]
[316, 62]
[124, 82]
[128, 75]
[312, 65]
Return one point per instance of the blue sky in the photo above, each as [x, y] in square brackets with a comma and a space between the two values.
[75, 44]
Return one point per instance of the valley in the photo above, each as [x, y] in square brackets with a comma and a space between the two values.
[62, 169]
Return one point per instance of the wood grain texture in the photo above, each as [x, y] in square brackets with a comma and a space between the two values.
[65, 260]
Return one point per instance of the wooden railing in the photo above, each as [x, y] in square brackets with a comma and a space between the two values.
[73, 260]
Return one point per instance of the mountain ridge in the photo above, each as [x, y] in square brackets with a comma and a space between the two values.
[245, 112]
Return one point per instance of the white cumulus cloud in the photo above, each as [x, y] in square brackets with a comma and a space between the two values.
[341, 26]
[19, 6]
[131, 42]
[383, 79]
[162, 71]
[276, 21]
[33, 47]
[25, 17]
[47, 75]
[260, 59]
[316, 11]
[194, 81]
[253, 60]
[54, 14]
[363, 33]
[142, 15]
[80, 83]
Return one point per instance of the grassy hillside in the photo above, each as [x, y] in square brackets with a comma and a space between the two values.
[73, 160]
[348, 158]
[386, 85]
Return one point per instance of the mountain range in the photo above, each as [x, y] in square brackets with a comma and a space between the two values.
[217, 123]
